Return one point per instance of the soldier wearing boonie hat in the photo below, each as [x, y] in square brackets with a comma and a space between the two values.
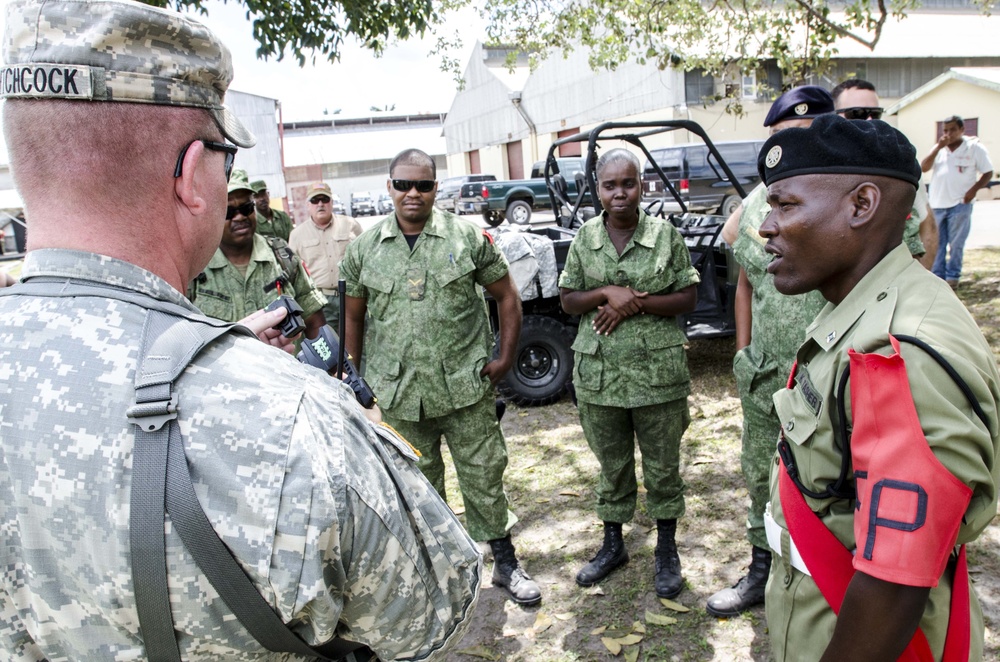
[249, 271]
[119, 145]
[877, 537]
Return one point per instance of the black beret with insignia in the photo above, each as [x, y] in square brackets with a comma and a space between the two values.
[834, 145]
[803, 102]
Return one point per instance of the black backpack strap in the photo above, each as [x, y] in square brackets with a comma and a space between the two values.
[842, 487]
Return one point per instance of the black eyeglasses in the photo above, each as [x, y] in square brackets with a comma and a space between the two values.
[319, 199]
[243, 210]
[230, 151]
[861, 113]
[404, 185]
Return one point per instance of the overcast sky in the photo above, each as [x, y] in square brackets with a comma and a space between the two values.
[405, 76]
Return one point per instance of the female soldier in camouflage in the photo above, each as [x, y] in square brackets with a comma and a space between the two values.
[628, 275]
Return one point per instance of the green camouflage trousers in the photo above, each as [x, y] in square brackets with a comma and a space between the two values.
[612, 433]
[331, 311]
[760, 440]
[479, 451]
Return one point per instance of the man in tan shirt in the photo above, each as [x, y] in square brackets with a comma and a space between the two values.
[321, 244]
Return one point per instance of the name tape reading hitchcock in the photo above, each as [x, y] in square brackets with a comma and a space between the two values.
[46, 80]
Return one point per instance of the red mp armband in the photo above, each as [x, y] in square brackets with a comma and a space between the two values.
[909, 506]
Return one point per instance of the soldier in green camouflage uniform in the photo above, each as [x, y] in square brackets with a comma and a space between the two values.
[286, 467]
[628, 275]
[769, 332]
[270, 222]
[231, 291]
[419, 274]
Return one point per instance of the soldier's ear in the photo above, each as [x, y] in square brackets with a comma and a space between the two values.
[190, 186]
[865, 199]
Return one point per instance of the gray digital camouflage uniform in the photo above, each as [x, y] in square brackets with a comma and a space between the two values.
[331, 521]
[428, 337]
[633, 384]
[777, 329]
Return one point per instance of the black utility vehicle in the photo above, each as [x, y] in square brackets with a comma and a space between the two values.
[698, 176]
[543, 366]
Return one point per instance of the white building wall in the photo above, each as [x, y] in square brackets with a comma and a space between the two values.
[263, 160]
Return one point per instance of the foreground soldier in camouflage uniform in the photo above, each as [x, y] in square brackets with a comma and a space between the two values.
[628, 275]
[420, 274]
[327, 517]
[233, 284]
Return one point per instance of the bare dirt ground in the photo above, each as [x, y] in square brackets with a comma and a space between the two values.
[551, 480]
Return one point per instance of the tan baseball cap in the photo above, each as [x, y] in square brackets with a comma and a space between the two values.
[117, 50]
[318, 188]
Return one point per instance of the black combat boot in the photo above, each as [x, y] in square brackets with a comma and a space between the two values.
[507, 572]
[668, 580]
[747, 592]
[612, 555]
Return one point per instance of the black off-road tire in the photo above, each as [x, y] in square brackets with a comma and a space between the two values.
[543, 365]
[729, 205]
[493, 217]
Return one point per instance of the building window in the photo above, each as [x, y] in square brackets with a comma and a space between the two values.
[748, 89]
[698, 88]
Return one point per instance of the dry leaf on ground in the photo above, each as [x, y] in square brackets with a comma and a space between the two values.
[674, 606]
[480, 651]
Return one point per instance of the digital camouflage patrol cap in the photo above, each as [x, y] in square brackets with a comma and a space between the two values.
[116, 50]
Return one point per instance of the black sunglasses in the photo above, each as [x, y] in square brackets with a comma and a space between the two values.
[319, 199]
[243, 210]
[230, 151]
[404, 185]
[861, 113]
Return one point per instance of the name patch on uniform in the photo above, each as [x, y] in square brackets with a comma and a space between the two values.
[809, 392]
[46, 80]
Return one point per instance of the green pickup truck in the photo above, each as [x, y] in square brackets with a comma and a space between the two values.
[514, 200]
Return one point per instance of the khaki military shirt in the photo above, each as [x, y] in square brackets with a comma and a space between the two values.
[327, 515]
[642, 362]
[900, 297]
[429, 334]
[227, 295]
[778, 320]
[279, 226]
[322, 249]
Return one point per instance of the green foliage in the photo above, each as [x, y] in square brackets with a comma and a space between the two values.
[724, 38]
[306, 28]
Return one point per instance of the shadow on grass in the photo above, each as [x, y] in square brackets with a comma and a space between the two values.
[550, 482]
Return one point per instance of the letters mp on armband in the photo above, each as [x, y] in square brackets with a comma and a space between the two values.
[46, 80]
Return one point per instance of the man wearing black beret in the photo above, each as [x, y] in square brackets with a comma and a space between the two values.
[887, 458]
[769, 328]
